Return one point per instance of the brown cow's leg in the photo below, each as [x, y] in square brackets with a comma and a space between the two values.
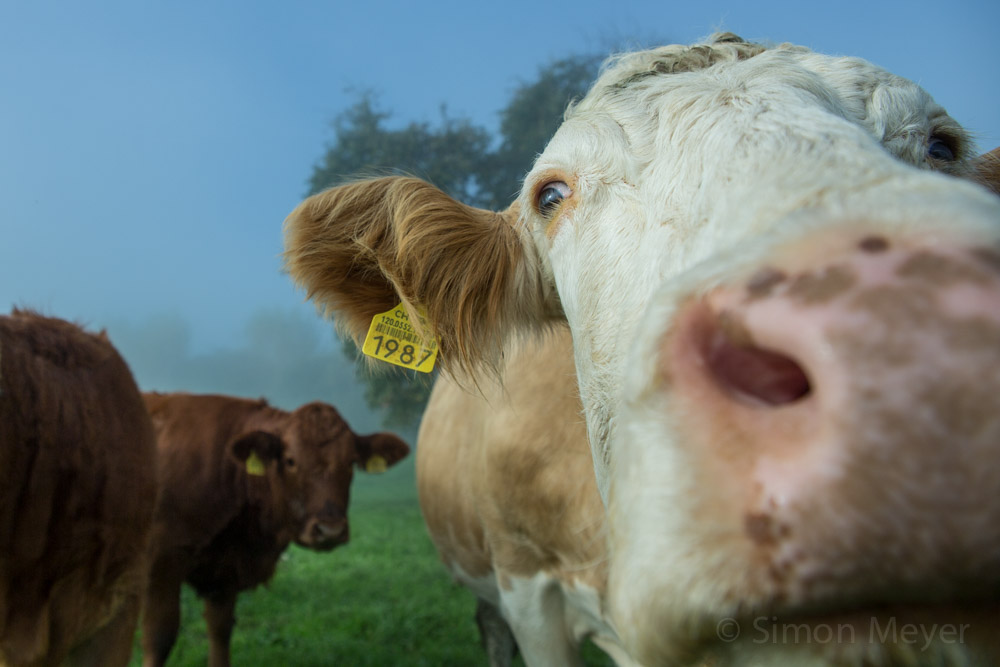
[495, 634]
[161, 617]
[220, 618]
[111, 646]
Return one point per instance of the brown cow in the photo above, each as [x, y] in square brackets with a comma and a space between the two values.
[77, 492]
[507, 489]
[240, 481]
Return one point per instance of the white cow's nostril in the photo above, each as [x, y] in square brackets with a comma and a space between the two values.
[752, 373]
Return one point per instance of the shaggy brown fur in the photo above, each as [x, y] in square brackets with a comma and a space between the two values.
[988, 170]
[362, 248]
[77, 489]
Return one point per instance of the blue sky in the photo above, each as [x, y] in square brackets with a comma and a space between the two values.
[149, 151]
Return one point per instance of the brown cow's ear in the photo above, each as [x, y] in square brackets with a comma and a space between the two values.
[988, 169]
[378, 451]
[363, 248]
[256, 449]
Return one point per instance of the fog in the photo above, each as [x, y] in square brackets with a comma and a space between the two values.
[150, 151]
[284, 356]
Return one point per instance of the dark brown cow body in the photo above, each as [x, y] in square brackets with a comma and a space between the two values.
[240, 481]
[77, 491]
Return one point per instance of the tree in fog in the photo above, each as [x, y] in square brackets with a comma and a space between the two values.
[457, 157]
[449, 156]
[529, 120]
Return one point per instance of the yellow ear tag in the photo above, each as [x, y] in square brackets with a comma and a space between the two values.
[392, 338]
[254, 465]
[375, 464]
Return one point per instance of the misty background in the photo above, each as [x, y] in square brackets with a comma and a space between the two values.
[149, 151]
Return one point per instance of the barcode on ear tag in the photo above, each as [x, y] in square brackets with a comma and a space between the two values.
[392, 338]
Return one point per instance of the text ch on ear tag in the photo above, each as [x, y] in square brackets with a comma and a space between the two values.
[255, 466]
[392, 338]
[376, 464]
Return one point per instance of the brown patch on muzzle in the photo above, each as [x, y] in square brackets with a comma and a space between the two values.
[920, 428]
[873, 244]
[988, 256]
[940, 270]
[813, 289]
[763, 282]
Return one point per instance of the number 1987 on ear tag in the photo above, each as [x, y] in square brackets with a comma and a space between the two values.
[392, 338]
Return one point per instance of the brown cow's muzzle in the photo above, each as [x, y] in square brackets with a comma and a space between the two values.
[325, 531]
[839, 418]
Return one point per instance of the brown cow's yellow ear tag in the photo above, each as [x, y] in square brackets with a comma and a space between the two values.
[376, 464]
[392, 338]
[254, 465]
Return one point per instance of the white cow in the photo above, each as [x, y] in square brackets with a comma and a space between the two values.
[786, 332]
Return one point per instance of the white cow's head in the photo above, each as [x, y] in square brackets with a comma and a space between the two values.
[787, 336]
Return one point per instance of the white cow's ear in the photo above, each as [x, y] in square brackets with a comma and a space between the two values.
[988, 169]
[361, 249]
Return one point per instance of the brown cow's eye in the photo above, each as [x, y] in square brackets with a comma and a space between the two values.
[289, 462]
[550, 196]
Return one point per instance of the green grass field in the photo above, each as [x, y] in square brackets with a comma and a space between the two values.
[383, 599]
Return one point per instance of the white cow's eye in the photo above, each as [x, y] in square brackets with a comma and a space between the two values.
[550, 196]
[938, 149]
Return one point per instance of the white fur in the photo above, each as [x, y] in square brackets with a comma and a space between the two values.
[551, 616]
[654, 199]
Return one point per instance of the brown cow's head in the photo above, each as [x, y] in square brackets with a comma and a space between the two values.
[308, 459]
